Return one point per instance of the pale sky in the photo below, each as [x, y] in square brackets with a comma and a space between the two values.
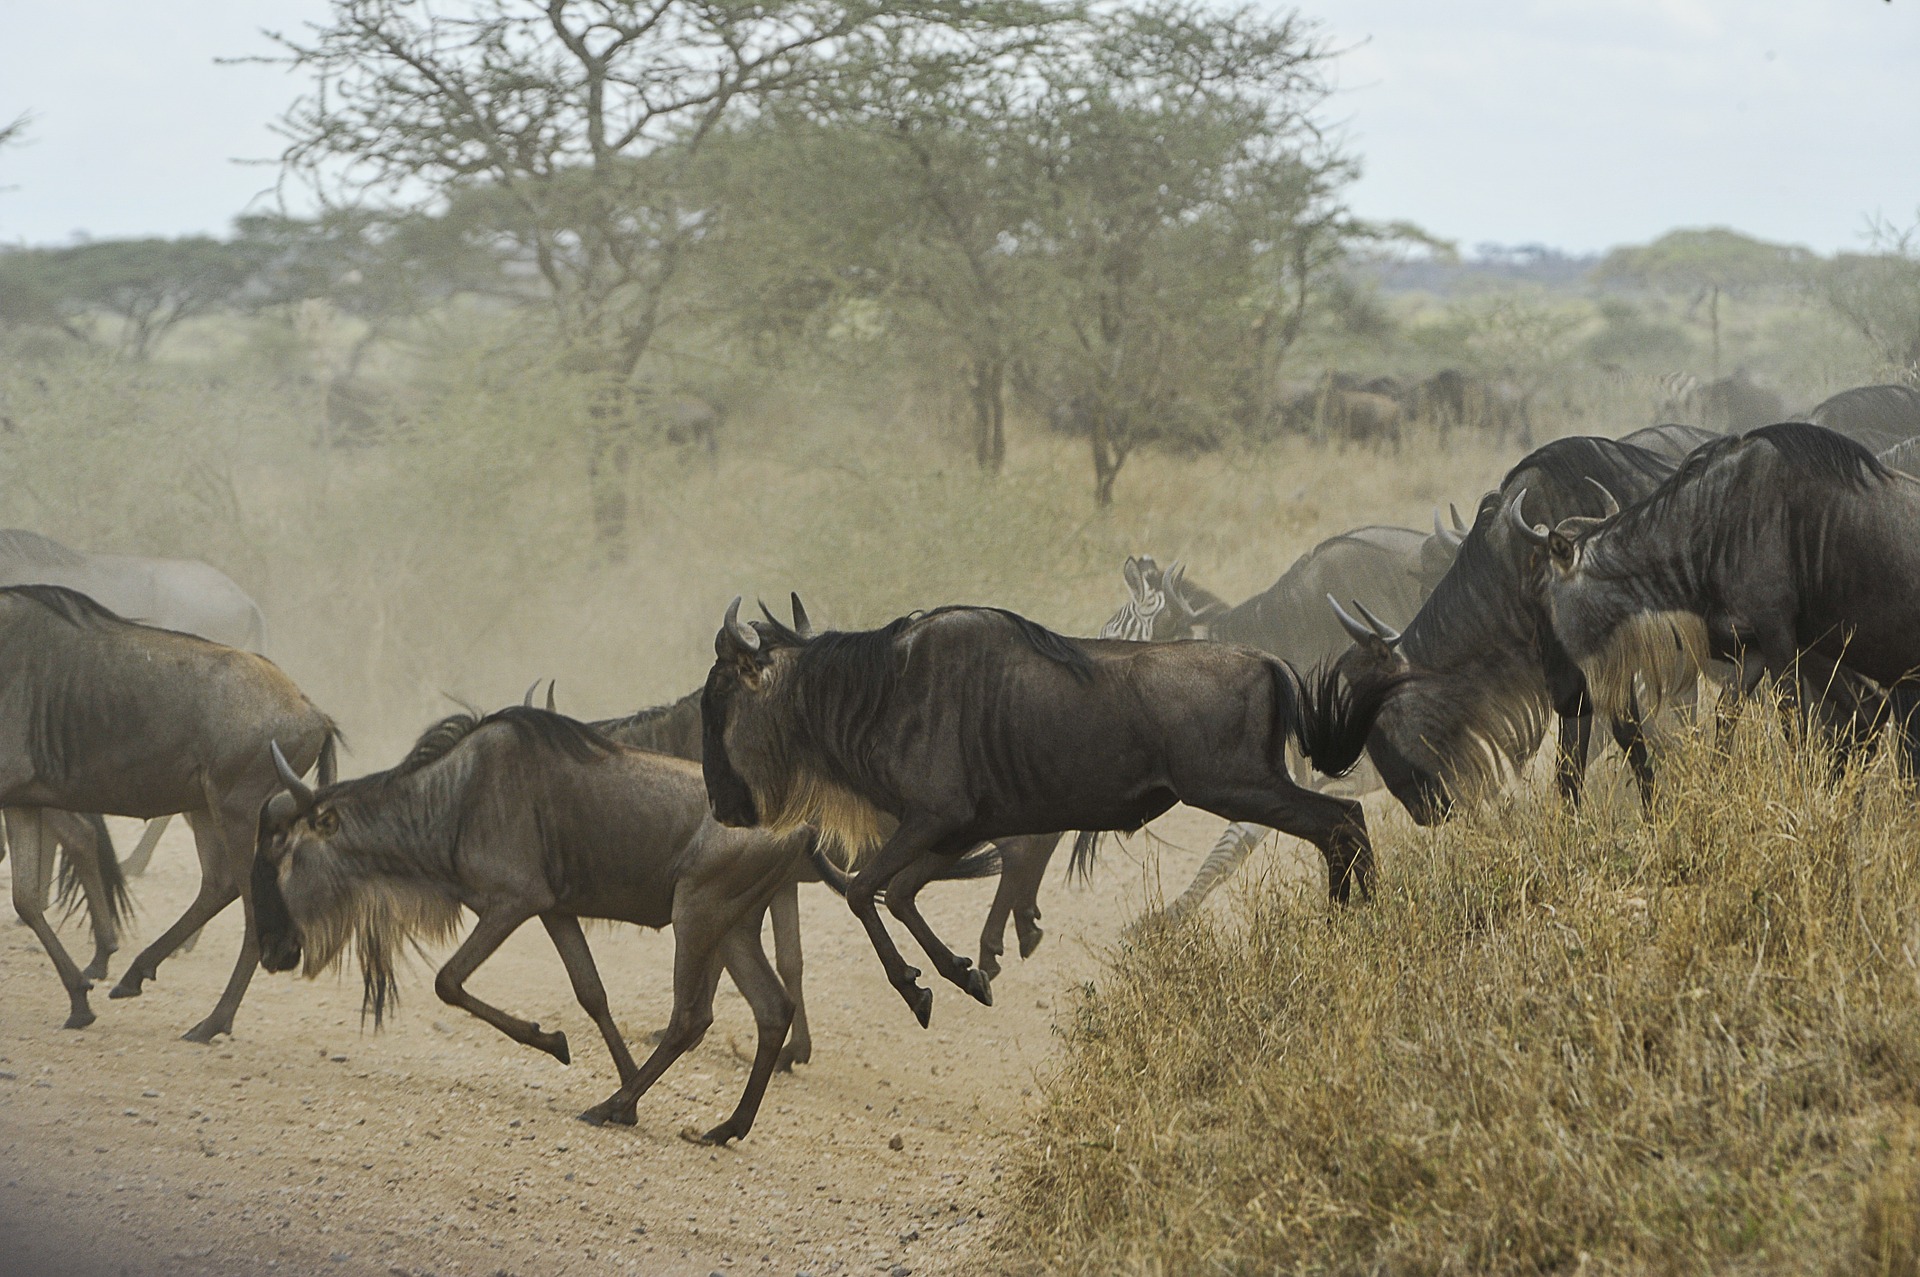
[1575, 123]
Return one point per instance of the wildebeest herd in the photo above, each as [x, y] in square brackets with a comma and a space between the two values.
[1601, 577]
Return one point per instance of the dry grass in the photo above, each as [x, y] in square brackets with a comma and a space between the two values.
[1554, 1042]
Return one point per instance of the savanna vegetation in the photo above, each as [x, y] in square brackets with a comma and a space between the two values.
[607, 320]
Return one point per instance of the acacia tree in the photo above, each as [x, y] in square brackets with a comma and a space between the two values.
[576, 122]
[1877, 293]
[148, 286]
[1708, 263]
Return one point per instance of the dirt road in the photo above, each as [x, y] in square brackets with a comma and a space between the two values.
[305, 1144]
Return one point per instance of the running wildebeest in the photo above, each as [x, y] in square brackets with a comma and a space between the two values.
[1394, 569]
[98, 714]
[959, 726]
[1788, 543]
[1875, 417]
[524, 814]
[173, 594]
[1489, 671]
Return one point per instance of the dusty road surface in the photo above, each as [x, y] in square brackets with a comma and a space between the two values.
[305, 1144]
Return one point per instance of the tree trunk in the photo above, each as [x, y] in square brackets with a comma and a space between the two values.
[1108, 457]
[610, 465]
[1713, 321]
[986, 386]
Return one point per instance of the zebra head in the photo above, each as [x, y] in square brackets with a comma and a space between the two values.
[1156, 609]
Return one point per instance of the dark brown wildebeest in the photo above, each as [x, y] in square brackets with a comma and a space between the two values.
[100, 714]
[526, 814]
[1455, 400]
[1786, 545]
[963, 725]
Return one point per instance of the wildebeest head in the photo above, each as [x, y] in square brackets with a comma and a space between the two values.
[743, 724]
[1161, 607]
[1411, 768]
[316, 886]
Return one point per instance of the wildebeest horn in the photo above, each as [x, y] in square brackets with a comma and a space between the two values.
[1447, 535]
[551, 707]
[1515, 516]
[742, 634]
[1355, 630]
[526, 702]
[295, 786]
[1612, 504]
[1458, 526]
[1387, 633]
[801, 625]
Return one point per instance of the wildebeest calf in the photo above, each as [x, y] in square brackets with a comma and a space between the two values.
[525, 814]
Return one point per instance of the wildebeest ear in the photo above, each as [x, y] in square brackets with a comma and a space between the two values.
[1561, 547]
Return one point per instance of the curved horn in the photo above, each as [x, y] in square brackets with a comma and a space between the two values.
[551, 708]
[526, 702]
[1387, 633]
[742, 634]
[801, 624]
[1536, 536]
[1612, 505]
[295, 786]
[1458, 526]
[1447, 535]
[1355, 630]
[1170, 587]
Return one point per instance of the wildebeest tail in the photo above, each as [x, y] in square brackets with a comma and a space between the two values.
[1086, 845]
[1330, 716]
[69, 892]
[982, 862]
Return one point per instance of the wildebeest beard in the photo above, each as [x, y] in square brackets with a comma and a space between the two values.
[376, 917]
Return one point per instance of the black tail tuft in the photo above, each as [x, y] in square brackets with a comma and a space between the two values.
[69, 893]
[1086, 845]
[1330, 717]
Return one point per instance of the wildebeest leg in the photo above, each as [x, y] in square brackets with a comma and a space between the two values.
[908, 843]
[1023, 865]
[142, 853]
[785, 911]
[489, 932]
[235, 830]
[902, 890]
[82, 848]
[1748, 671]
[1228, 854]
[32, 878]
[697, 963]
[1337, 826]
[564, 930]
[772, 1014]
[1576, 741]
[217, 891]
[1631, 736]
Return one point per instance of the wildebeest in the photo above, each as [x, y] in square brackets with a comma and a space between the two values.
[1789, 543]
[1394, 569]
[962, 725]
[98, 714]
[1875, 417]
[1452, 399]
[88, 871]
[1731, 403]
[173, 594]
[1671, 440]
[524, 814]
[1489, 671]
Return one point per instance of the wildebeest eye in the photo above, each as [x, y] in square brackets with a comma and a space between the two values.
[327, 823]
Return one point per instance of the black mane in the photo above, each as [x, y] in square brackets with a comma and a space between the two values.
[1568, 462]
[1816, 448]
[543, 728]
[69, 605]
[870, 652]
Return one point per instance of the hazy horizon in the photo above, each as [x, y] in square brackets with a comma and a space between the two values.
[1577, 124]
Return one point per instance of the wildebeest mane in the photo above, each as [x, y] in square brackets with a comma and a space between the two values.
[870, 652]
[653, 728]
[71, 606]
[577, 740]
[1566, 463]
[40, 551]
[1823, 451]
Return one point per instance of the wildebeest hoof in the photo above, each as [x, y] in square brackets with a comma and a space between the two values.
[82, 1016]
[95, 970]
[921, 1000]
[554, 1044]
[718, 1135]
[789, 1057]
[610, 1110]
[979, 987]
[205, 1032]
[1029, 941]
[129, 987]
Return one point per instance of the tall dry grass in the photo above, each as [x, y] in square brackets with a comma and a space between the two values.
[1555, 1041]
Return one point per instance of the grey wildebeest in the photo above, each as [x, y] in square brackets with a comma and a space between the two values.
[524, 814]
[174, 594]
[1489, 671]
[963, 725]
[1394, 569]
[1788, 544]
[98, 714]
[1875, 417]
[88, 871]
